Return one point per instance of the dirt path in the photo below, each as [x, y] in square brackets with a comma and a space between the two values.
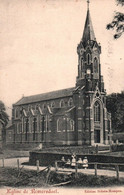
[13, 163]
[6, 153]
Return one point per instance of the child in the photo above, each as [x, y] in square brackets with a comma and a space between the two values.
[73, 162]
[68, 163]
[79, 162]
[62, 162]
[85, 163]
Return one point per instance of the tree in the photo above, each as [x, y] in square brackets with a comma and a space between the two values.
[118, 22]
[115, 105]
[3, 115]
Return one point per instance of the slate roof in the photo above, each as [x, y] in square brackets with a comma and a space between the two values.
[45, 96]
[9, 125]
[59, 111]
[88, 33]
[62, 111]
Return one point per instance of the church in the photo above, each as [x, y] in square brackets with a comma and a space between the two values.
[72, 116]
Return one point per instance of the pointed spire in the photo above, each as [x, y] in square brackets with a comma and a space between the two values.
[88, 4]
[88, 33]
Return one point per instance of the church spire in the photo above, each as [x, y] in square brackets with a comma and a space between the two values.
[88, 4]
[88, 33]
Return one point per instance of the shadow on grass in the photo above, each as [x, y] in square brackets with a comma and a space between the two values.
[83, 180]
[29, 178]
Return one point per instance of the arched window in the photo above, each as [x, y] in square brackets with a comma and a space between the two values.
[82, 62]
[71, 125]
[108, 124]
[27, 125]
[88, 58]
[96, 111]
[95, 63]
[44, 106]
[28, 108]
[70, 102]
[47, 123]
[36, 107]
[34, 127]
[17, 112]
[88, 71]
[20, 127]
[62, 103]
[26, 129]
[60, 124]
[52, 104]
[17, 127]
[82, 65]
[24, 125]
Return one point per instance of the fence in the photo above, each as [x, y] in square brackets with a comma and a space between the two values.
[96, 165]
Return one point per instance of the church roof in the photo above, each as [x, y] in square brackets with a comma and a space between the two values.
[46, 96]
[88, 33]
[9, 125]
[59, 111]
[62, 111]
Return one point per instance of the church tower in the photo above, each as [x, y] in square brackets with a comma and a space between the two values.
[93, 120]
[89, 68]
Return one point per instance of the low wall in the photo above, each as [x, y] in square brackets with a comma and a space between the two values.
[46, 159]
[117, 148]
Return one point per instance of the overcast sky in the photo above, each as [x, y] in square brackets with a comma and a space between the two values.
[38, 43]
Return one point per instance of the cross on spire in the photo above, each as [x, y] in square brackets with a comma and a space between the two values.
[88, 34]
[88, 1]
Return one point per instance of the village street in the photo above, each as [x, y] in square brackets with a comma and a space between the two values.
[12, 162]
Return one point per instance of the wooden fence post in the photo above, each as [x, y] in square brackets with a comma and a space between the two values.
[48, 174]
[3, 162]
[76, 170]
[95, 167]
[18, 164]
[56, 166]
[37, 164]
[117, 172]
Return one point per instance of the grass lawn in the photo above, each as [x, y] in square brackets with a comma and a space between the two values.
[6, 153]
[118, 154]
[11, 177]
[29, 178]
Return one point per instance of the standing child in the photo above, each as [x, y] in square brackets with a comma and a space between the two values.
[85, 163]
[79, 162]
[68, 163]
[73, 162]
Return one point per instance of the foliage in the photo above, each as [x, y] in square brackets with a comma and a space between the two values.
[3, 115]
[30, 179]
[27, 178]
[118, 22]
[115, 105]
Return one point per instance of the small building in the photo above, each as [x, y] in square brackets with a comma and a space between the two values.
[73, 116]
[9, 133]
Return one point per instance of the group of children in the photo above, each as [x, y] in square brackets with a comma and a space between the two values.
[72, 163]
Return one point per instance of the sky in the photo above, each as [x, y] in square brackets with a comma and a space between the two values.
[38, 46]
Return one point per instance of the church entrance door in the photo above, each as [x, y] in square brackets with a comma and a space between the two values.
[97, 136]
